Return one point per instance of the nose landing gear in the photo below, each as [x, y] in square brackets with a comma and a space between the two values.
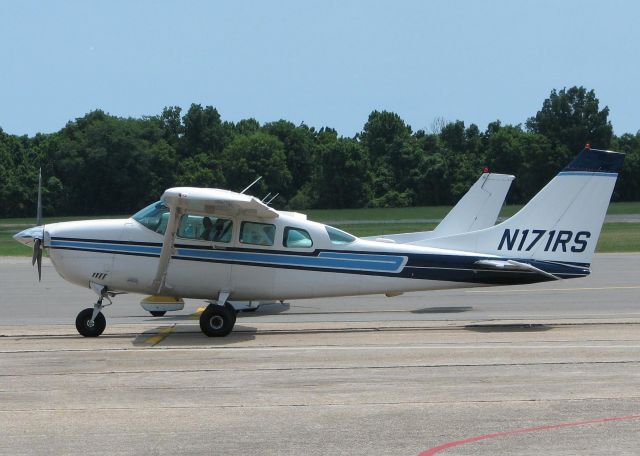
[90, 322]
[90, 326]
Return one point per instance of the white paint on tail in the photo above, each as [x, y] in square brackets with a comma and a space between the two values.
[561, 223]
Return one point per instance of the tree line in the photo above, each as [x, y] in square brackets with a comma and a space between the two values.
[102, 164]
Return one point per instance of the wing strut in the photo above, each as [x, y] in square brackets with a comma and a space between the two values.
[159, 282]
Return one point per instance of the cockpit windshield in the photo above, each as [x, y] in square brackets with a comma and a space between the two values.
[154, 217]
[339, 237]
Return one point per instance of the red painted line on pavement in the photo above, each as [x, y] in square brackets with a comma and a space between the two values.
[444, 446]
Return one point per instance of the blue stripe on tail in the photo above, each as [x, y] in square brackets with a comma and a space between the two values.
[596, 160]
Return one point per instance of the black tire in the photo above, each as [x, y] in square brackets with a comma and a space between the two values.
[158, 313]
[217, 321]
[84, 326]
[233, 311]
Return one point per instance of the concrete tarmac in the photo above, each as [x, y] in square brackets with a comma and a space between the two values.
[552, 368]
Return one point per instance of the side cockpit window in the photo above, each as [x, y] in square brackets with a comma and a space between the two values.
[296, 238]
[154, 217]
[257, 233]
[206, 228]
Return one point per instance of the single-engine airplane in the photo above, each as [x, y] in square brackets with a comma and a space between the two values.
[209, 243]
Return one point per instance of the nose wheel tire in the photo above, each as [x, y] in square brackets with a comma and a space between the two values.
[217, 321]
[157, 313]
[89, 328]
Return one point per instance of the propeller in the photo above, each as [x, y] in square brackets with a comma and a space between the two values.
[37, 255]
[38, 243]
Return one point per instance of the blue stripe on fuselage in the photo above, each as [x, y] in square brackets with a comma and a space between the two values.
[418, 266]
[107, 246]
[330, 260]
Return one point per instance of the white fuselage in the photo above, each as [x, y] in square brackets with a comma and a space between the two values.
[124, 255]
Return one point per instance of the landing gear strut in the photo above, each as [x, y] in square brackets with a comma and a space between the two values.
[90, 322]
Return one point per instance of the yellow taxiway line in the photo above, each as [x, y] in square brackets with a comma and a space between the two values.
[196, 314]
[165, 332]
[162, 335]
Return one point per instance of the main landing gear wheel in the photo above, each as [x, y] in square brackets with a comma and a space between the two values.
[233, 311]
[89, 328]
[217, 321]
[157, 313]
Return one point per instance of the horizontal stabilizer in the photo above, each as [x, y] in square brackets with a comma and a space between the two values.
[512, 265]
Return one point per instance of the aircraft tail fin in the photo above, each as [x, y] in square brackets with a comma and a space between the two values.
[561, 223]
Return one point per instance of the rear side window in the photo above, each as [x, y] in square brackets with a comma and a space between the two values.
[296, 238]
[257, 233]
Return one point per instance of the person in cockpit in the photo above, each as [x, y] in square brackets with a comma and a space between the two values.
[208, 227]
[219, 230]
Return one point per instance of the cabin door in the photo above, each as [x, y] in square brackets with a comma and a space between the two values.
[200, 266]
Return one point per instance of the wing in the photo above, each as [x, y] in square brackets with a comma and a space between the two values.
[213, 200]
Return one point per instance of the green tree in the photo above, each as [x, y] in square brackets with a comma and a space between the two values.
[300, 151]
[201, 170]
[204, 132]
[344, 179]
[102, 164]
[105, 163]
[628, 185]
[172, 124]
[383, 135]
[465, 156]
[572, 117]
[246, 127]
[395, 158]
[259, 154]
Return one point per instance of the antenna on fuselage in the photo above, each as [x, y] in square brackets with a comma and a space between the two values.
[251, 184]
[38, 243]
[265, 197]
[272, 198]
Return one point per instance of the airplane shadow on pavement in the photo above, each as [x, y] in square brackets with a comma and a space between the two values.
[510, 327]
[189, 335]
[174, 332]
[435, 310]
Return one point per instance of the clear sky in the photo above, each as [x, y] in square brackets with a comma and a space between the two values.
[325, 63]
